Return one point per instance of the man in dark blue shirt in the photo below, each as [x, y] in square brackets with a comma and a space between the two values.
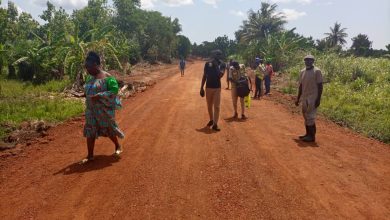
[182, 66]
[213, 72]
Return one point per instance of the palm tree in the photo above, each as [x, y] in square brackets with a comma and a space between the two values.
[337, 35]
[261, 23]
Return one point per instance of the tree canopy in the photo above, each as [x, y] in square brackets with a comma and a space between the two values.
[120, 32]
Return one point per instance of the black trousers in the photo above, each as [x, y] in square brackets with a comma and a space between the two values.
[258, 83]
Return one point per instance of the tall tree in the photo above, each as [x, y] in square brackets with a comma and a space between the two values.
[127, 17]
[261, 23]
[361, 45]
[95, 15]
[184, 46]
[336, 36]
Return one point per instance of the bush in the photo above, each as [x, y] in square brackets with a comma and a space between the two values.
[358, 93]
[24, 102]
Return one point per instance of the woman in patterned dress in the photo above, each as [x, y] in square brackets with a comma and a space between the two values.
[101, 91]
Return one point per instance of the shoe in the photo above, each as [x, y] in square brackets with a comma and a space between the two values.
[215, 128]
[118, 151]
[310, 135]
[303, 136]
[210, 123]
[308, 139]
[243, 117]
[235, 115]
[86, 160]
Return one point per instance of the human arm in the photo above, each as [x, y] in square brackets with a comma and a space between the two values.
[318, 100]
[222, 68]
[112, 89]
[250, 83]
[203, 82]
[299, 95]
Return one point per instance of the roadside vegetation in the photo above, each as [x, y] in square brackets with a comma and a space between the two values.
[25, 102]
[38, 60]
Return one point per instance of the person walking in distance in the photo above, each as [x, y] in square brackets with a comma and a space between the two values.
[213, 72]
[182, 66]
[259, 75]
[237, 73]
[228, 73]
[310, 92]
[267, 77]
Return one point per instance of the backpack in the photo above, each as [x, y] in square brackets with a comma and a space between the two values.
[243, 87]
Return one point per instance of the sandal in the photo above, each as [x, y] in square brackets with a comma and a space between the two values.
[118, 151]
[86, 160]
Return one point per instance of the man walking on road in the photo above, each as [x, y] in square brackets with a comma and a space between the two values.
[259, 75]
[267, 77]
[228, 73]
[213, 72]
[310, 92]
[182, 66]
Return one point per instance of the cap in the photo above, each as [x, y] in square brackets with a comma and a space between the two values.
[307, 57]
[216, 53]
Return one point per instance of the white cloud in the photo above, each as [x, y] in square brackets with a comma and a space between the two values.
[147, 4]
[237, 13]
[66, 4]
[325, 3]
[303, 2]
[214, 3]
[292, 14]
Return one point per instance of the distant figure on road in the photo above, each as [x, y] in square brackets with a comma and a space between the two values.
[310, 92]
[259, 76]
[182, 66]
[101, 91]
[228, 73]
[267, 77]
[238, 77]
[213, 72]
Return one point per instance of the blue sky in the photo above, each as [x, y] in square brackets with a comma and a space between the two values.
[204, 20]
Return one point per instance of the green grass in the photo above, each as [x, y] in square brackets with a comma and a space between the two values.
[357, 94]
[25, 102]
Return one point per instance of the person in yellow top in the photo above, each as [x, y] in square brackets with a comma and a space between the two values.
[236, 72]
[259, 76]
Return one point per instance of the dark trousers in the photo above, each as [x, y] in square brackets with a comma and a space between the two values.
[258, 87]
[267, 81]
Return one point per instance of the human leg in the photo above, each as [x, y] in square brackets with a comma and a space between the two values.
[217, 105]
[234, 100]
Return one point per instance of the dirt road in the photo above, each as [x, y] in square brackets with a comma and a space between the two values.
[175, 168]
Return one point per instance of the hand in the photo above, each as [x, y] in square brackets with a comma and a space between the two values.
[202, 92]
[297, 103]
[318, 103]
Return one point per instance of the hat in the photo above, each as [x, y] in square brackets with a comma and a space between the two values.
[307, 57]
[235, 64]
[216, 53]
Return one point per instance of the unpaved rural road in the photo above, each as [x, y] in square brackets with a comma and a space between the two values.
[175, 168]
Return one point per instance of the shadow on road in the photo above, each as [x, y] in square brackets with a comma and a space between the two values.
[233, 119]
[99, 162]
[206, 130]
[305, 144]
